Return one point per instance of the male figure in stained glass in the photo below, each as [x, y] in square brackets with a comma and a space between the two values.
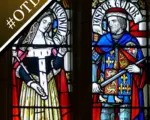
[119, 50]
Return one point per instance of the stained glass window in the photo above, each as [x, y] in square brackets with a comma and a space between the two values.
[119, 57]
[41, 75]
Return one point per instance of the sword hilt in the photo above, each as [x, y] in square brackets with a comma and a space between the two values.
[118, 75]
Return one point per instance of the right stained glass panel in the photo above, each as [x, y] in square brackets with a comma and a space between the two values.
[119, 59]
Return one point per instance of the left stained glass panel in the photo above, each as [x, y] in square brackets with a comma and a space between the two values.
[41, 75]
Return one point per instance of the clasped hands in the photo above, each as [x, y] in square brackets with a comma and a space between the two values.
[37, 87]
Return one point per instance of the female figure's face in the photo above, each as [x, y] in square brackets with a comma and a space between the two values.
[45, 24]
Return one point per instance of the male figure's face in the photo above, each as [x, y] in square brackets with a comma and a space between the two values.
[114, 25]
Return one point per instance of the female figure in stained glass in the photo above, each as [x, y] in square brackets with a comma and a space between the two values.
[41, 71]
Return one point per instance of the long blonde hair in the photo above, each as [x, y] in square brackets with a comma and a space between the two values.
[28, 39]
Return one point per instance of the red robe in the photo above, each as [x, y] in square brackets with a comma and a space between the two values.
[138, 82]
[62, 88]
